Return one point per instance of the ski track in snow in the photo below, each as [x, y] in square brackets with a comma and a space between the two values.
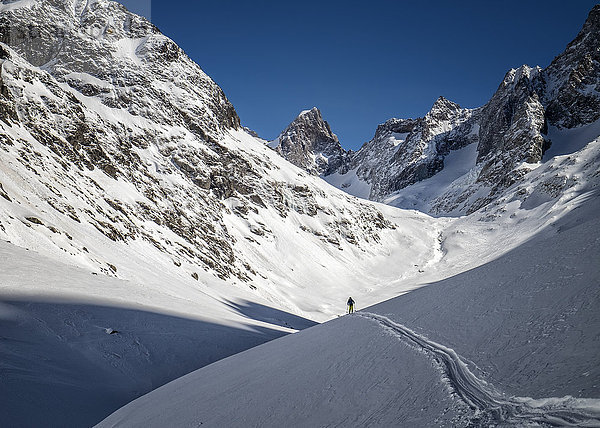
[492, 407]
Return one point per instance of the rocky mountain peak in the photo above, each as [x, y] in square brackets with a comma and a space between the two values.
[443, 116]
[309, 143]
[314, 113]
[524, 75]
[443, 109]
[590, 29]
[311, 122]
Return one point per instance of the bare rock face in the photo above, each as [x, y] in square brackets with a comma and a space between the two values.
[572, 80]
[405, 151]
[513, 120]
[512, 128]
[102, 50]
[308, 143]
[381, 148]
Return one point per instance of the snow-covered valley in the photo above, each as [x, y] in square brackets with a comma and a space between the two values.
[523, 330]
[145, 235]
[510, 269]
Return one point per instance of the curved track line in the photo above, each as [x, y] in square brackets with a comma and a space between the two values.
[491, 406]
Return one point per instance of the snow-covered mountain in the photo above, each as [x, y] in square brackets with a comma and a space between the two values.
[119, 140]
[120, 158]
[144, 233]
[513, 127]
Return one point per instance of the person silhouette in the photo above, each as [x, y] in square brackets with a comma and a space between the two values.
[350, 304]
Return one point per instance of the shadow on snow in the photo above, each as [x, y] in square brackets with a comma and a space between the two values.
[72, 364]
[270, 315]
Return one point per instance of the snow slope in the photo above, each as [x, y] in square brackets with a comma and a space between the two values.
[459, 166]
[75, 346]
[524, 325]
[349, 183]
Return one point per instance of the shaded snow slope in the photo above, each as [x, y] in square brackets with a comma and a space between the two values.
[347, 372]
[525, 325]
[492, 406]
[75, 346]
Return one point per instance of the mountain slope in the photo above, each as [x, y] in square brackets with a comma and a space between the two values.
[516, 332]
[92, 178]
[147, 210]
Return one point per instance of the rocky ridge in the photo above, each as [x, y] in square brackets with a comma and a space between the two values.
[510, 129]
[571, 93]
[418, 152]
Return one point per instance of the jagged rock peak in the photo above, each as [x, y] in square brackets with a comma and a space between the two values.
[309, 143]
[590, 29]
[442, 107]
[513, 121]
[314, 112]
[443, 116]
[314, 119]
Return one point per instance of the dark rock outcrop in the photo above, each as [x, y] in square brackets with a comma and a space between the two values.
[572, 80]
[308, 143]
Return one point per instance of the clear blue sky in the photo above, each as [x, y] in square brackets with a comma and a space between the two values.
[361, 62]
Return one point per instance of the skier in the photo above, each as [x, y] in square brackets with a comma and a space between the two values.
[350, 304]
